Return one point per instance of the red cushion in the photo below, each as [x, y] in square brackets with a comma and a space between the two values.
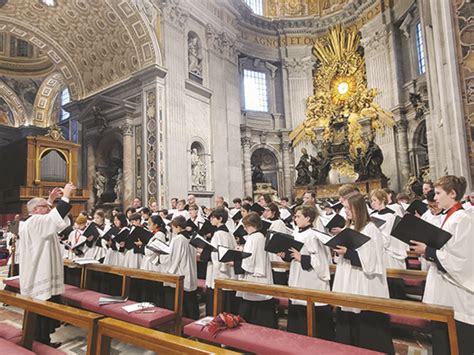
[89, 300]
[7, 347]
[409, 321]
[261, 340]
[42, 349]
[9, 333]
[13, 283]
[413, 282]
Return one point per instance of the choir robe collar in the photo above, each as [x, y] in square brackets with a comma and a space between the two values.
[301, 230]
[384, 211]
[222, 228]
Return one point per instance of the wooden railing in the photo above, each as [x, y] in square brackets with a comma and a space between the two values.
[375, 304]
[149, 339]
[392, 273]
[33, 308]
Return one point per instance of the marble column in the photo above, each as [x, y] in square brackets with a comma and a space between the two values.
[91, 147]
[246, 143]
[403, 154]
[127, 134]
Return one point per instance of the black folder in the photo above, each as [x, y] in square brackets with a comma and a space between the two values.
[190, 223]
[377, 221]
[198, 241]
[206, 228]
[225, 254]
[349, 238]
[64, 234]
[335, 206]
[138, 233]
[111, 233]
[414, 228]
[395, 223]
[280, 242]
[159, 247]
[257, 208]
[122, 236]
[237, 217]
[417, 206]
[239, 233]
[337, 221]
[265, 226]
[91, 230]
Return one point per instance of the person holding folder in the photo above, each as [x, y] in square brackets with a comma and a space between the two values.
[217, 269]
[361, 271]
[394, 250]
[309, 269]
[450, 279]
[254, 308]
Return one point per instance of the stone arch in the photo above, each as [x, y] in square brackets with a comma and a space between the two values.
[268, 160]
[88, 63]
[45, 99]
[15, 104]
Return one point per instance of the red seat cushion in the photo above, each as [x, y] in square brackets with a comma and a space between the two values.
[413, 282]
[261, 340]
[13, 283]
[10, 333]
[396, 319]
[7, 347]
[89, 300]
[42, 349]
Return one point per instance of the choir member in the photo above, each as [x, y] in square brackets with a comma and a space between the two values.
[469, 203]
[134, 250]
[254, 308]
[181, 261]
[392, 203]
[272, 214]
[75, 244]
[180, 210]
[309, 269]
[395, 251]
[450, 279]
[113, 256]
[217, 269]
[362, 272]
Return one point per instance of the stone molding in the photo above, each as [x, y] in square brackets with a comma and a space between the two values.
[174, 13]
[221, 42]
[298, 66]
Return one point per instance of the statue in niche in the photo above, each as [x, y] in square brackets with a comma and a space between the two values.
[198, 171]
[194, 55]
[302, 168]
[118, 185]
[374, 160]
[320, 167]
[99, 184]
[257, 174]
[100, 118]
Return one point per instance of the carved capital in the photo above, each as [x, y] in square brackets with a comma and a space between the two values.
[246, 142]
[298, 66]
[221, 43]
[174, 13]
[402, 125]
[126, 129]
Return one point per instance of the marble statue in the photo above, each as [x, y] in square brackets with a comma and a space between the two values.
[374, 160]
[118, 185]
[198, 171]
[99, 184]
[257, 174]
[194, 56]
[302, 168]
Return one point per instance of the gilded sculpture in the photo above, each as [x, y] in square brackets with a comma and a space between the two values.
[341, 103]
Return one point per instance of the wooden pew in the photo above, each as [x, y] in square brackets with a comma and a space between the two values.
[375, 304]
[159, 342]
[33, 308]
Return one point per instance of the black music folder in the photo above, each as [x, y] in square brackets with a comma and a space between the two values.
[122, 236]
[225, 254]
[240, 233]
[237, 217]
[337, 221]
[280, 242]
[91, 230]
[414, 228]
[198, 241]
[140, 233]
[111, 233]
[379, 222]
[417, 206]
[265, 226]
[206, 228]
[257, 208]
[349, 238]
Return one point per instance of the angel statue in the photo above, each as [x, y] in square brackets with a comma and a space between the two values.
[99, 184]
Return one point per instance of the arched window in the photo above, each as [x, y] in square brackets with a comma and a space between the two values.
[65, 99]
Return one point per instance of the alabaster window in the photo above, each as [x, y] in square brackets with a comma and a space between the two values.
[420, 51]
[256, 6]
[256, 91]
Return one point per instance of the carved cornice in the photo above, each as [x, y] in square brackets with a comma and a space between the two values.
[174, 13]
[377, 40]
[221, 43]
[246, 142]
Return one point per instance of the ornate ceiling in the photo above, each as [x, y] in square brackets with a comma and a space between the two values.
[92, 43]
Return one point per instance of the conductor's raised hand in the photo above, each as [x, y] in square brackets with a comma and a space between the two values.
[68, 189]
[54, 194]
